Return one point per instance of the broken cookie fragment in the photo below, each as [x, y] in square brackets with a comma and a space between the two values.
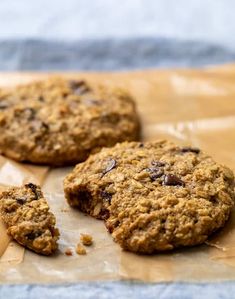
[80, 249]
[86, 239]
[27, 216]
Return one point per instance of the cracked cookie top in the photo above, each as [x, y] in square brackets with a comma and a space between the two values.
[60, 121]
[153, 196]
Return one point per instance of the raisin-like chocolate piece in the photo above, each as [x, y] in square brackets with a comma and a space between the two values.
[106, 196]
[33, 187]
[111, 165]
[21, 200]
[33, 235]
[172, 180]
[155, 173]
[188, 149]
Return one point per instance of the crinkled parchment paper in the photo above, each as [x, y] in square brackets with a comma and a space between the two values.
[194, 107]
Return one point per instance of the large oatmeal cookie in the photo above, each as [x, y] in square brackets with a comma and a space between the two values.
[28, 218]
[60, 121]
[153, 196]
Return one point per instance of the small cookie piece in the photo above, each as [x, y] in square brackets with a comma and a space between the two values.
[61, 121]
[80, 249]
[153, 196]
[86, 239]
[28, 218]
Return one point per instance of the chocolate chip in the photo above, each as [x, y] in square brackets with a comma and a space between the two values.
[141, 145]
[172, 180]
[155, 173]
[106, 196]
[33, 235]
[33, 188]
[111, 165]
[188, 149]
[79, 87]
[21, 200]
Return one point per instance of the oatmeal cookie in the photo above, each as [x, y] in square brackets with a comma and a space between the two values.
[60, 121]
[26, 214]
[153, 196]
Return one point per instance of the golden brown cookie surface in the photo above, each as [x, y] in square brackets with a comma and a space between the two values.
[153, 196]
[60, 121]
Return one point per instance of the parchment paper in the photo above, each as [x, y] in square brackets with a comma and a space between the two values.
[194, 107]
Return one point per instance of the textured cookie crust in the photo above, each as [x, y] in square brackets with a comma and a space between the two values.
[59, 121]
[26, 214]
[154, 196]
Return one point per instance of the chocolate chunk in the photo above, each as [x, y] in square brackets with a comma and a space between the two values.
[111, 165]
[33, 187]
[188, 149]
[106, 196]
[172, 180]
[155, 173]
[79, 87]
[141, 145]
[33, 235]
[21, 200]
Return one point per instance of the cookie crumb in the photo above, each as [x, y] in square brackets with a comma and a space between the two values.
[68, 252]
[80, 249]
[86, 239]
[64, 210]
